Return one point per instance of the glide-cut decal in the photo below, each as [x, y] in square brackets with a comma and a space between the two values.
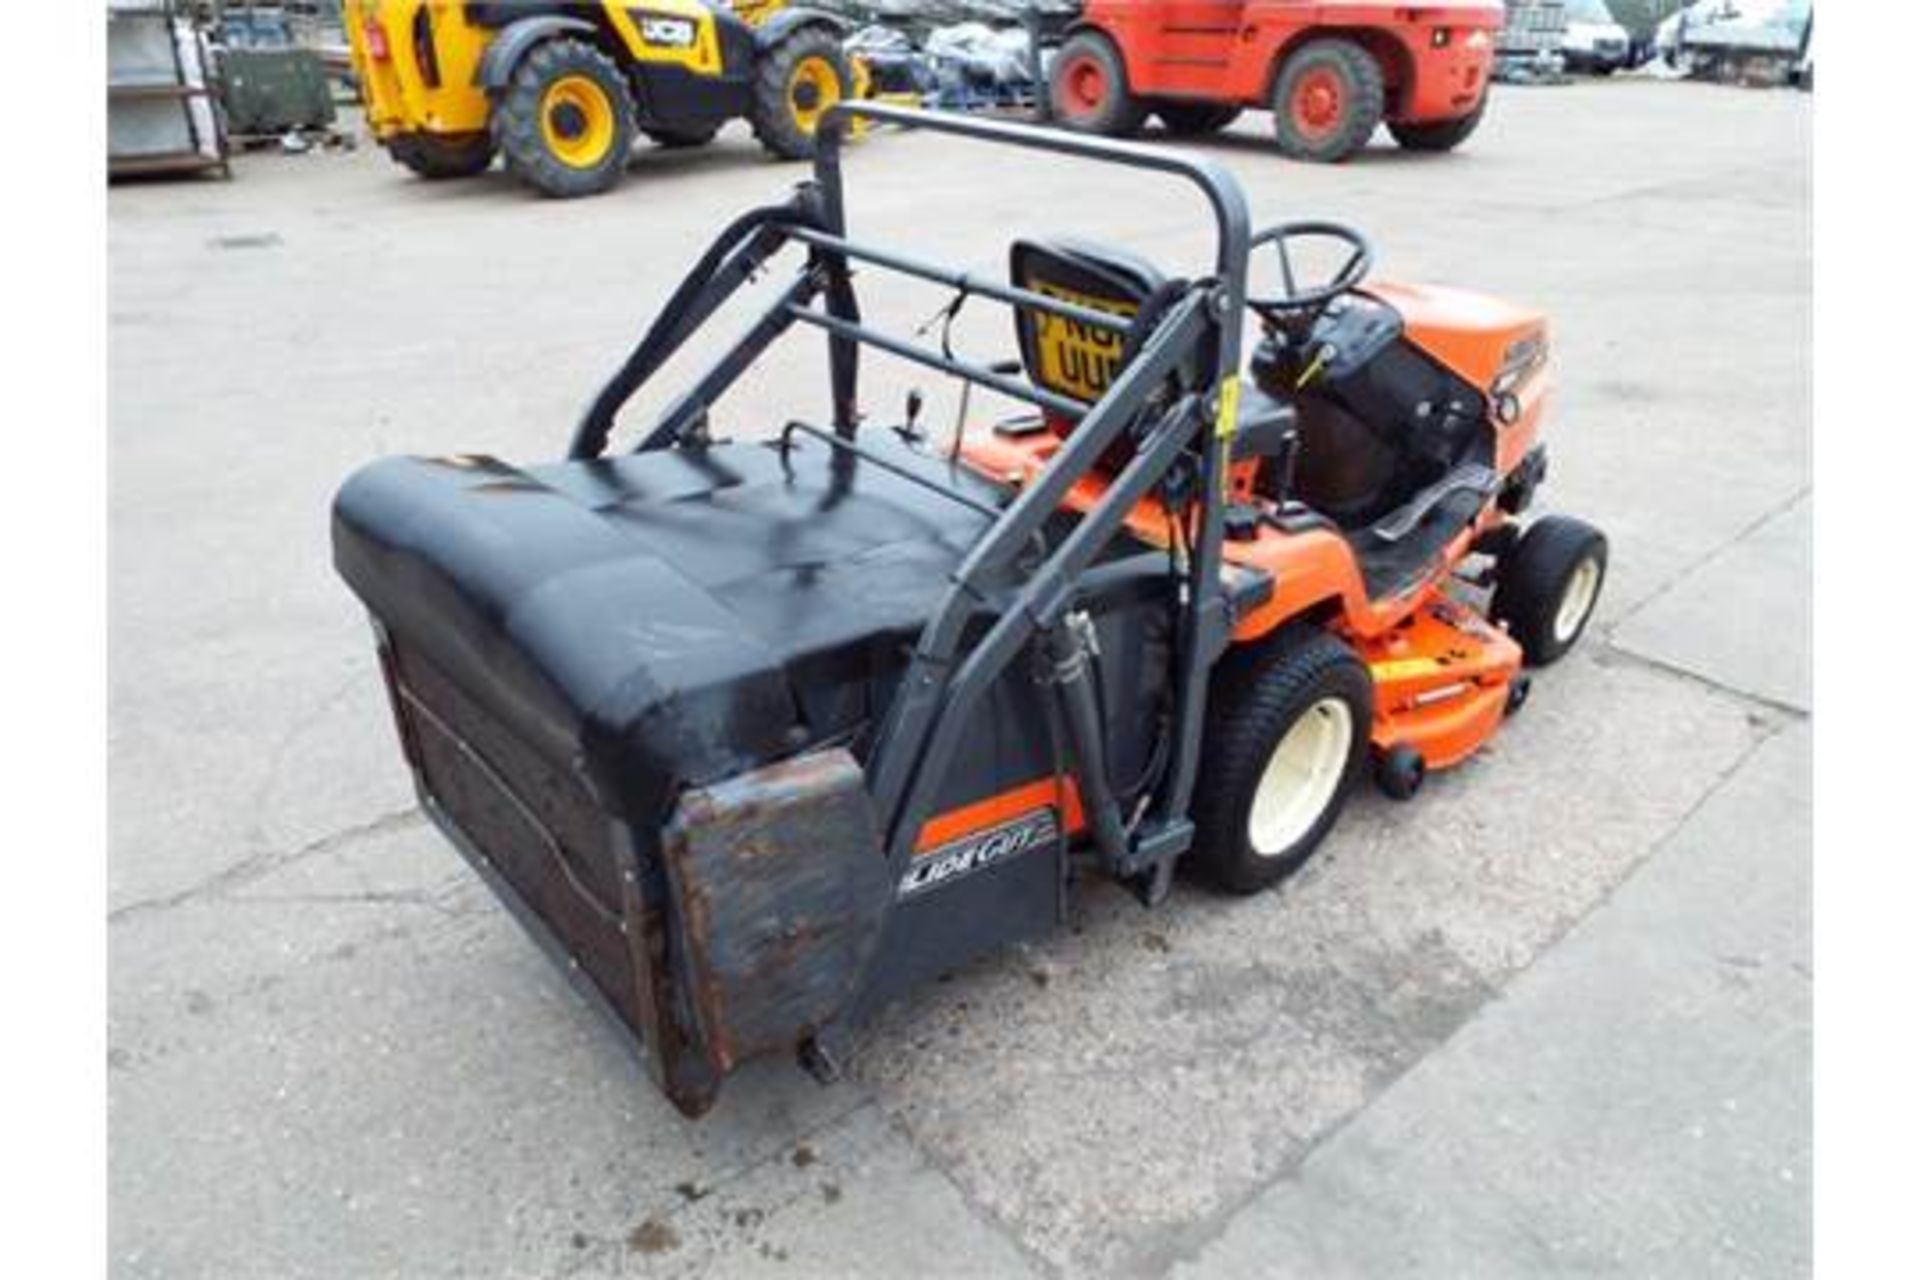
[960, 858]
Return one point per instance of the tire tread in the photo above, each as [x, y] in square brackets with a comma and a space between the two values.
[1532, 577]
[1370, 94]
[1258, 691]
[772, 120]
[516, 119]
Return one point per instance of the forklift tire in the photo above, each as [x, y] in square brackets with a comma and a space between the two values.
[798, 80]
[1287, 729]
[1327, 100]
[1196, 119]
[566, 120]
[1548, 584]
[682, 139]
[1087, 88]
[1438, 135]
[434, 157]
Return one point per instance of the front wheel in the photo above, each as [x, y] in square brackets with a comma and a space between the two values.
[1287, 728]
[798, 82]
[1548, 584]
[1327, 100]
[1439, 135]
[566, 121]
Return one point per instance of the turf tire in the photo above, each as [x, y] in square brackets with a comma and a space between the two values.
[1196, 119]
[1119, 113]
[1363, 100]
[1534, 579]
[517, 120]
[438, 158]
[1258, 695]
[1439, 135]
[774, 123]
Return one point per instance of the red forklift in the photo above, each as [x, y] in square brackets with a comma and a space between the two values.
[1331, 72]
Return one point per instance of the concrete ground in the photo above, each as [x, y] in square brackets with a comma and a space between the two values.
[1553, 1016]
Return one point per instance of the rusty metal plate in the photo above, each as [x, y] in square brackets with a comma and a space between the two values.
[779, 885]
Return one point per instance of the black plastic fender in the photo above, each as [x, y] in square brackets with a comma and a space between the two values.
[516, 40]
[787, 21]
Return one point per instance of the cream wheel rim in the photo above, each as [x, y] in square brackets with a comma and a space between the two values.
[1301, 777]
[1576, 602]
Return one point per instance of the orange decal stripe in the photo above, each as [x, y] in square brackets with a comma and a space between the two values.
[982, 815]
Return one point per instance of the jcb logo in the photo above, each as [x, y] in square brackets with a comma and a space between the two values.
[976, 852]
[1078, 359]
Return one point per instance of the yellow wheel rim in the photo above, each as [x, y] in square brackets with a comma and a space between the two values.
[814, 88]
[577, 121]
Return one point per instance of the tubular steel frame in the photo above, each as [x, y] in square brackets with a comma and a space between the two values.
[943, 684]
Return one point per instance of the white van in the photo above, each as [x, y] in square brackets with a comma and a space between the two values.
[1594, 42]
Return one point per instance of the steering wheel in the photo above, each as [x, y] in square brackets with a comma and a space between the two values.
[1295, 299]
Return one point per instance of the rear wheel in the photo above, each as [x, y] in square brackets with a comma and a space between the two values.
[799, 80]
[1439, 135]
[1194, 119]
[565, 123]
[1088, 88]
[1287, 729]
[1327, 100]
[1548, 586]
[435, 157]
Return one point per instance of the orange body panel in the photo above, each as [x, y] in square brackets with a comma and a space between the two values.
[1231, 49]
[1468, 332]
[1474, 335]
[1440, 681]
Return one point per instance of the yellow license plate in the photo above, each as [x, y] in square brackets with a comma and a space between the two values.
[1076, 359]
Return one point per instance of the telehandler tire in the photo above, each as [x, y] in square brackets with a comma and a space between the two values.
[436, 158]
[799, 79]
[1286, 739]
[566, 120]
[1547, 586]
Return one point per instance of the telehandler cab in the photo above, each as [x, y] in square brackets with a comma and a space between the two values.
[561, 88]
[756, 735]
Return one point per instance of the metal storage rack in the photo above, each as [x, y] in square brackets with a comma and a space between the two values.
[161, 112]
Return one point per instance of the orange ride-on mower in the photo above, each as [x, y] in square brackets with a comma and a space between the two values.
[1331, 72]
[755, 735]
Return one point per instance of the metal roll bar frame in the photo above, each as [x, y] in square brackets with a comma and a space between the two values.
[942, 685]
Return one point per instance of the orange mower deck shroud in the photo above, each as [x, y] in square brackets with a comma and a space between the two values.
[1442, 673]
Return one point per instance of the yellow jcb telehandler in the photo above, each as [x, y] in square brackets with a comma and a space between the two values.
[561, 88]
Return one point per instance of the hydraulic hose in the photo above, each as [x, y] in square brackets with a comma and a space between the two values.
[1068, 651]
